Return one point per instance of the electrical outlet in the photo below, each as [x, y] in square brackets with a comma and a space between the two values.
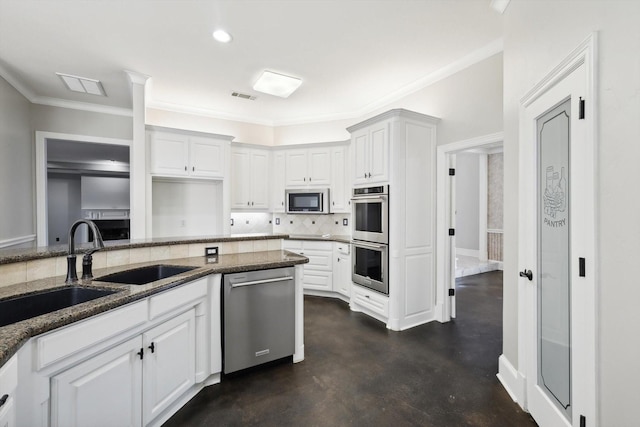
[277, 221]
[231, 222]
[345, 221]
[211, 251]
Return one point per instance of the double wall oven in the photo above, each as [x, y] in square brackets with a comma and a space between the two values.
[370, 221]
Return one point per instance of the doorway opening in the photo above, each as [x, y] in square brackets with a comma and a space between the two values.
[469, 236]
[81, 177]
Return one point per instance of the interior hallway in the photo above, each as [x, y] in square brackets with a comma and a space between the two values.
[358, 373]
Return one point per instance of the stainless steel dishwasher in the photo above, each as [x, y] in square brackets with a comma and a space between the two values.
[259, 317]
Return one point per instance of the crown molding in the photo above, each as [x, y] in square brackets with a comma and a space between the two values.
[17, 85]
[83, 106]
[207, 112]
[137, 78]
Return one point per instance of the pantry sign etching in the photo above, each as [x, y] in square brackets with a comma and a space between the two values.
[555, 198]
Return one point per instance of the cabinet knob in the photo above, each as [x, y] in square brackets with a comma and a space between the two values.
[369, 174]
[365, 174]
[3, 399]
[251, 203]
[248, 203]
[304, 179]
[141, 353]
[152, 347]
[185, 168]
[193, 168]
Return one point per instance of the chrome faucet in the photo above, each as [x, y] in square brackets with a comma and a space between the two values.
[87, 260]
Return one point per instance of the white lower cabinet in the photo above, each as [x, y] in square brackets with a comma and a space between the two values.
[318, 272]
[130, 384]
[8, 386]
[131, 366]
[342, 269]
[106, 390]
[169, 367]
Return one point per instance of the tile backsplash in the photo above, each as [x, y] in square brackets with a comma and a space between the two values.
[312, 224]
[257, 222]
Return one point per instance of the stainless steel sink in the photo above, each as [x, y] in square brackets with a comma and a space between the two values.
[144, 275]
[25, 307]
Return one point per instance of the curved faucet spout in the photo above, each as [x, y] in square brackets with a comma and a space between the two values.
[72, 275]
[97, 237]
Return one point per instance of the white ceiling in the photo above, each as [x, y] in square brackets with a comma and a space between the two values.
[352, 55]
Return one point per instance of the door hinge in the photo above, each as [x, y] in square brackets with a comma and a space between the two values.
[452, 232]
[581, 267]
[583, 421]
[452, 172]
[581, 112]
[452, 292]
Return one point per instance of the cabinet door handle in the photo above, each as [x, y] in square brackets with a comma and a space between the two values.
[185, 168]
[141, 353]
[527, 273]
[3, 399]
[193, 168]
[365, 174]
[152, 347]
[369, 174]
[251, 203]
[309, 179]
[304, 179]
[248, 203]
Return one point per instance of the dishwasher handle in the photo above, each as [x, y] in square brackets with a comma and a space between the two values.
[260, 282]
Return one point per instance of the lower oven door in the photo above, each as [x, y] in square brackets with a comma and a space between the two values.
[371, 266]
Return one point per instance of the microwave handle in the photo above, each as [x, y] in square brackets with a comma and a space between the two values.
[367, 245]
[375, 197]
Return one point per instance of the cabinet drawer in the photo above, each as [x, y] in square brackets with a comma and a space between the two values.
[318, 260]
[320, 281]
[372, 300]
[175, 298]
[68, 340]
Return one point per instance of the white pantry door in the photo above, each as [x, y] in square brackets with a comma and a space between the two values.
[556, 256]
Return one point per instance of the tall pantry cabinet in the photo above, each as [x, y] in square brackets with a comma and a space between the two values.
[398, 148]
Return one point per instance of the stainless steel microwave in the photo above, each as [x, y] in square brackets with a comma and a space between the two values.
[312, 201]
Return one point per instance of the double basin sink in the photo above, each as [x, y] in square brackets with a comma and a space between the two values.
[17, 309]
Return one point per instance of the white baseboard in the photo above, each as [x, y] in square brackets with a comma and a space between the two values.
[15, 241]
[512, 380]
[468, 252]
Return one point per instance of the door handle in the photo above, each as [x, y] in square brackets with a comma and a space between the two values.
[527, 273]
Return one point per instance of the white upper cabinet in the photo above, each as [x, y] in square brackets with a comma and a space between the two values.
[371, 154]
[308, 167]
[249, 178]
[340, 193]
[186, 155]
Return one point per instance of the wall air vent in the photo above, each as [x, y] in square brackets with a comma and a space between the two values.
[243, 96]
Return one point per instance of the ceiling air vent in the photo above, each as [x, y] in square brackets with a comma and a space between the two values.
[243, 96]
[82, 84]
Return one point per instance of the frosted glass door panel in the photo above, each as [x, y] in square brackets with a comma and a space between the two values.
[554, 251]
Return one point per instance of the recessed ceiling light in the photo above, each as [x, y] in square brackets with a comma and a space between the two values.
[82, 84]
[277, 84]
[222, 36]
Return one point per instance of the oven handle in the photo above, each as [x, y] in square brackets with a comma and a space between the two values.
[368, 245]
[374, 197]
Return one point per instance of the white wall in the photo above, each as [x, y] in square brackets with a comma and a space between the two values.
[248, 133]
[66, 120]
[537, 36]
[17, 215]
[63, 193]
[467, 201]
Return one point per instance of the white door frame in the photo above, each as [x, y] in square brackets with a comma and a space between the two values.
[445, 274]
[41, 173]
[584, 54]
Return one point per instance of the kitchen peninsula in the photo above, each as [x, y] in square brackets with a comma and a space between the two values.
[163, 337]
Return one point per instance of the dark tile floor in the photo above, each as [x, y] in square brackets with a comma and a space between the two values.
[356, 372]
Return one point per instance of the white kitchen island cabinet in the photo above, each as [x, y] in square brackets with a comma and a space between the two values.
[132, 366]
[8, 386]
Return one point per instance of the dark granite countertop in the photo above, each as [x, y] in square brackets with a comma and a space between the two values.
[342, 238]
[14, 335]
[8, 256]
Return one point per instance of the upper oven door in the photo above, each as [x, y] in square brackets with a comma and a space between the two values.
[370, 218]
